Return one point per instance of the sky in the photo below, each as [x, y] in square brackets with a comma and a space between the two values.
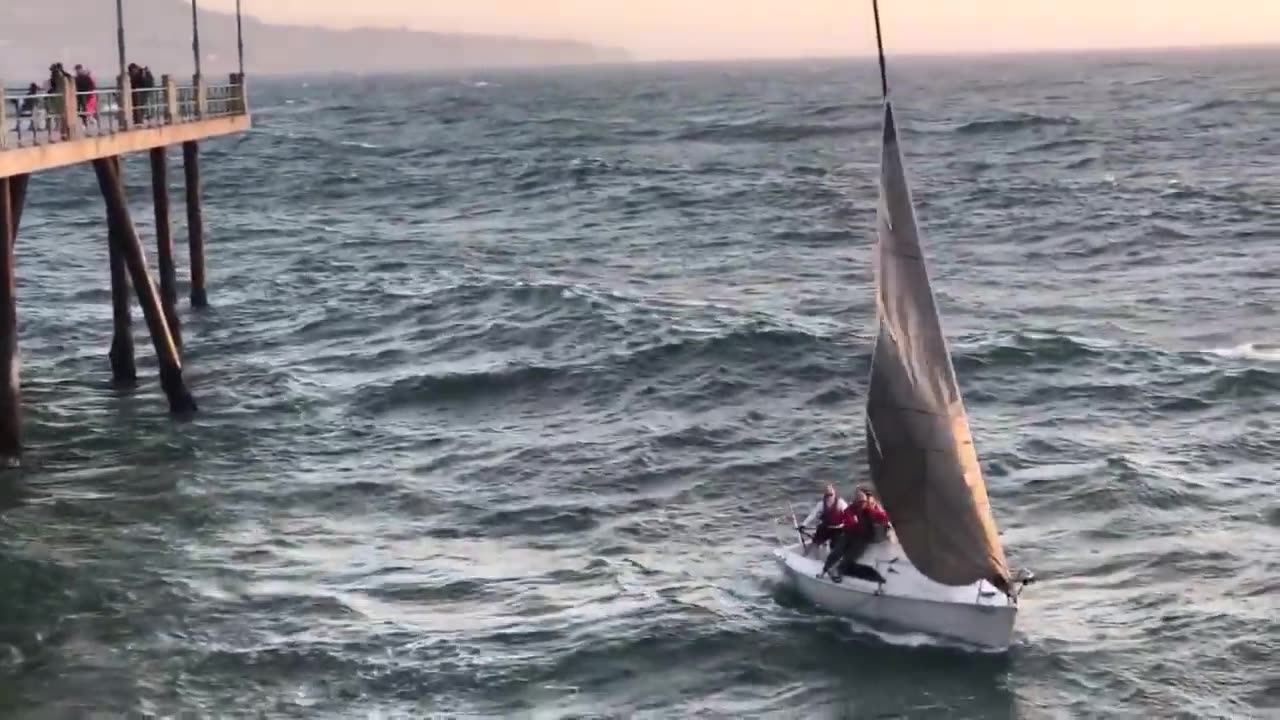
[721, 29]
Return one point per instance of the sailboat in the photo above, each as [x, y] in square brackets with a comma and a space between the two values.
[941, 569]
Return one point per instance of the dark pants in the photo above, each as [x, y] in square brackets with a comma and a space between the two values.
[849, 546]
[826, 533]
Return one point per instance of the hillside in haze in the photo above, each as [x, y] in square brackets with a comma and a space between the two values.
[35, 33]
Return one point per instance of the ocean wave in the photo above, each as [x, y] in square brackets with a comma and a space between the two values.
[1246, 383]
[844, 109]
[765, 131]
[1263, 104]
[549, 176]
[473, 303]
[1024, 349]
[1014, 122]
[1056, 144]
[710, 363]
[539, 519]
[471, 386]
[38, 605]
[1266, 352]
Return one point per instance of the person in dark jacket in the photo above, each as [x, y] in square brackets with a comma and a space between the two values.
[136, 96]
[58, 75]
[28, 106]
[152, 98]
[58, 79]
[86, 104]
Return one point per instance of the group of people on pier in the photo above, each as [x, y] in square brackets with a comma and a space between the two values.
[141, 80]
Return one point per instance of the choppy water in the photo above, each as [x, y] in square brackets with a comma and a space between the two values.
[508, 378]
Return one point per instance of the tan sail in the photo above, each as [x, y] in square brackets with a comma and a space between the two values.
[923, 462]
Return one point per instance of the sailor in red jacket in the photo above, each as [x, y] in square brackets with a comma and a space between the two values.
[863, 518]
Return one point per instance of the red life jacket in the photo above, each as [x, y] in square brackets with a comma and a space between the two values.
[831, 514]
[874, 512]
[870, 513]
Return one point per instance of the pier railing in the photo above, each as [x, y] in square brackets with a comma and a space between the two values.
[45, 118]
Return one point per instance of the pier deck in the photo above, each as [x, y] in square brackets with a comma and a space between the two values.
[45, 130]
[39, 134]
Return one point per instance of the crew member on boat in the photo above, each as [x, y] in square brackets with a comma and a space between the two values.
[864, 522]
[829, 514]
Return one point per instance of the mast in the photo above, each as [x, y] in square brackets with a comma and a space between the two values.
[884, 76]
[920, 449]
[884, 93]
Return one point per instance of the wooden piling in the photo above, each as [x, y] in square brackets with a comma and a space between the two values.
[124, 368]
[126, 238]
[10, 392]
[17, 200]
[164, 242]
[195, 222]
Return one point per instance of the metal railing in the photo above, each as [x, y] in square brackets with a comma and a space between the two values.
[29, 120]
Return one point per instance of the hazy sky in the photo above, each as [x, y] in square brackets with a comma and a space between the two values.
[688, 29]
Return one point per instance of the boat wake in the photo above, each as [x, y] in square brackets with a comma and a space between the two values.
[1266, 352]
[916, 640]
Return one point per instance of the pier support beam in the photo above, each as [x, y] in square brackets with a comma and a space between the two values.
[124, 369]
[10, 392]
[195, 222]
[126, 239]
[164, 241]
[17, 200]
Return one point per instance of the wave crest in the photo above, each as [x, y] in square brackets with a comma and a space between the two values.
[1014, 122]
[767, 131]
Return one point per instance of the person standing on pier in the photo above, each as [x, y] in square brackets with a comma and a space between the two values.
[86, 102]
[28, 106]
[57, 76]
[58, 79]
[137, 83]
[149, 82]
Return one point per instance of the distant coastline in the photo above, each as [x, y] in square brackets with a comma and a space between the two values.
[158, 34]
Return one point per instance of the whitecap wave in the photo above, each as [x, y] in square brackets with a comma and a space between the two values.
[1266, 352]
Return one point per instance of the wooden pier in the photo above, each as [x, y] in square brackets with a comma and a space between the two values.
[62, 127]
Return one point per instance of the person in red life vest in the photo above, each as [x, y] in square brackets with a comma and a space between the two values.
[864, 522]
[829, 516]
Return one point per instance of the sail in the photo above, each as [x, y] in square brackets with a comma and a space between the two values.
[923, 462]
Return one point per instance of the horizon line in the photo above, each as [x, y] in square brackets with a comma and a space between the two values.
[973, 53]
[910, 55]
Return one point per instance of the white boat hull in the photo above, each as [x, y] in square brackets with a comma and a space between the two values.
[977, 615]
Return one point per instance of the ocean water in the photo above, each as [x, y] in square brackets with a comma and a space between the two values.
[508, 379]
